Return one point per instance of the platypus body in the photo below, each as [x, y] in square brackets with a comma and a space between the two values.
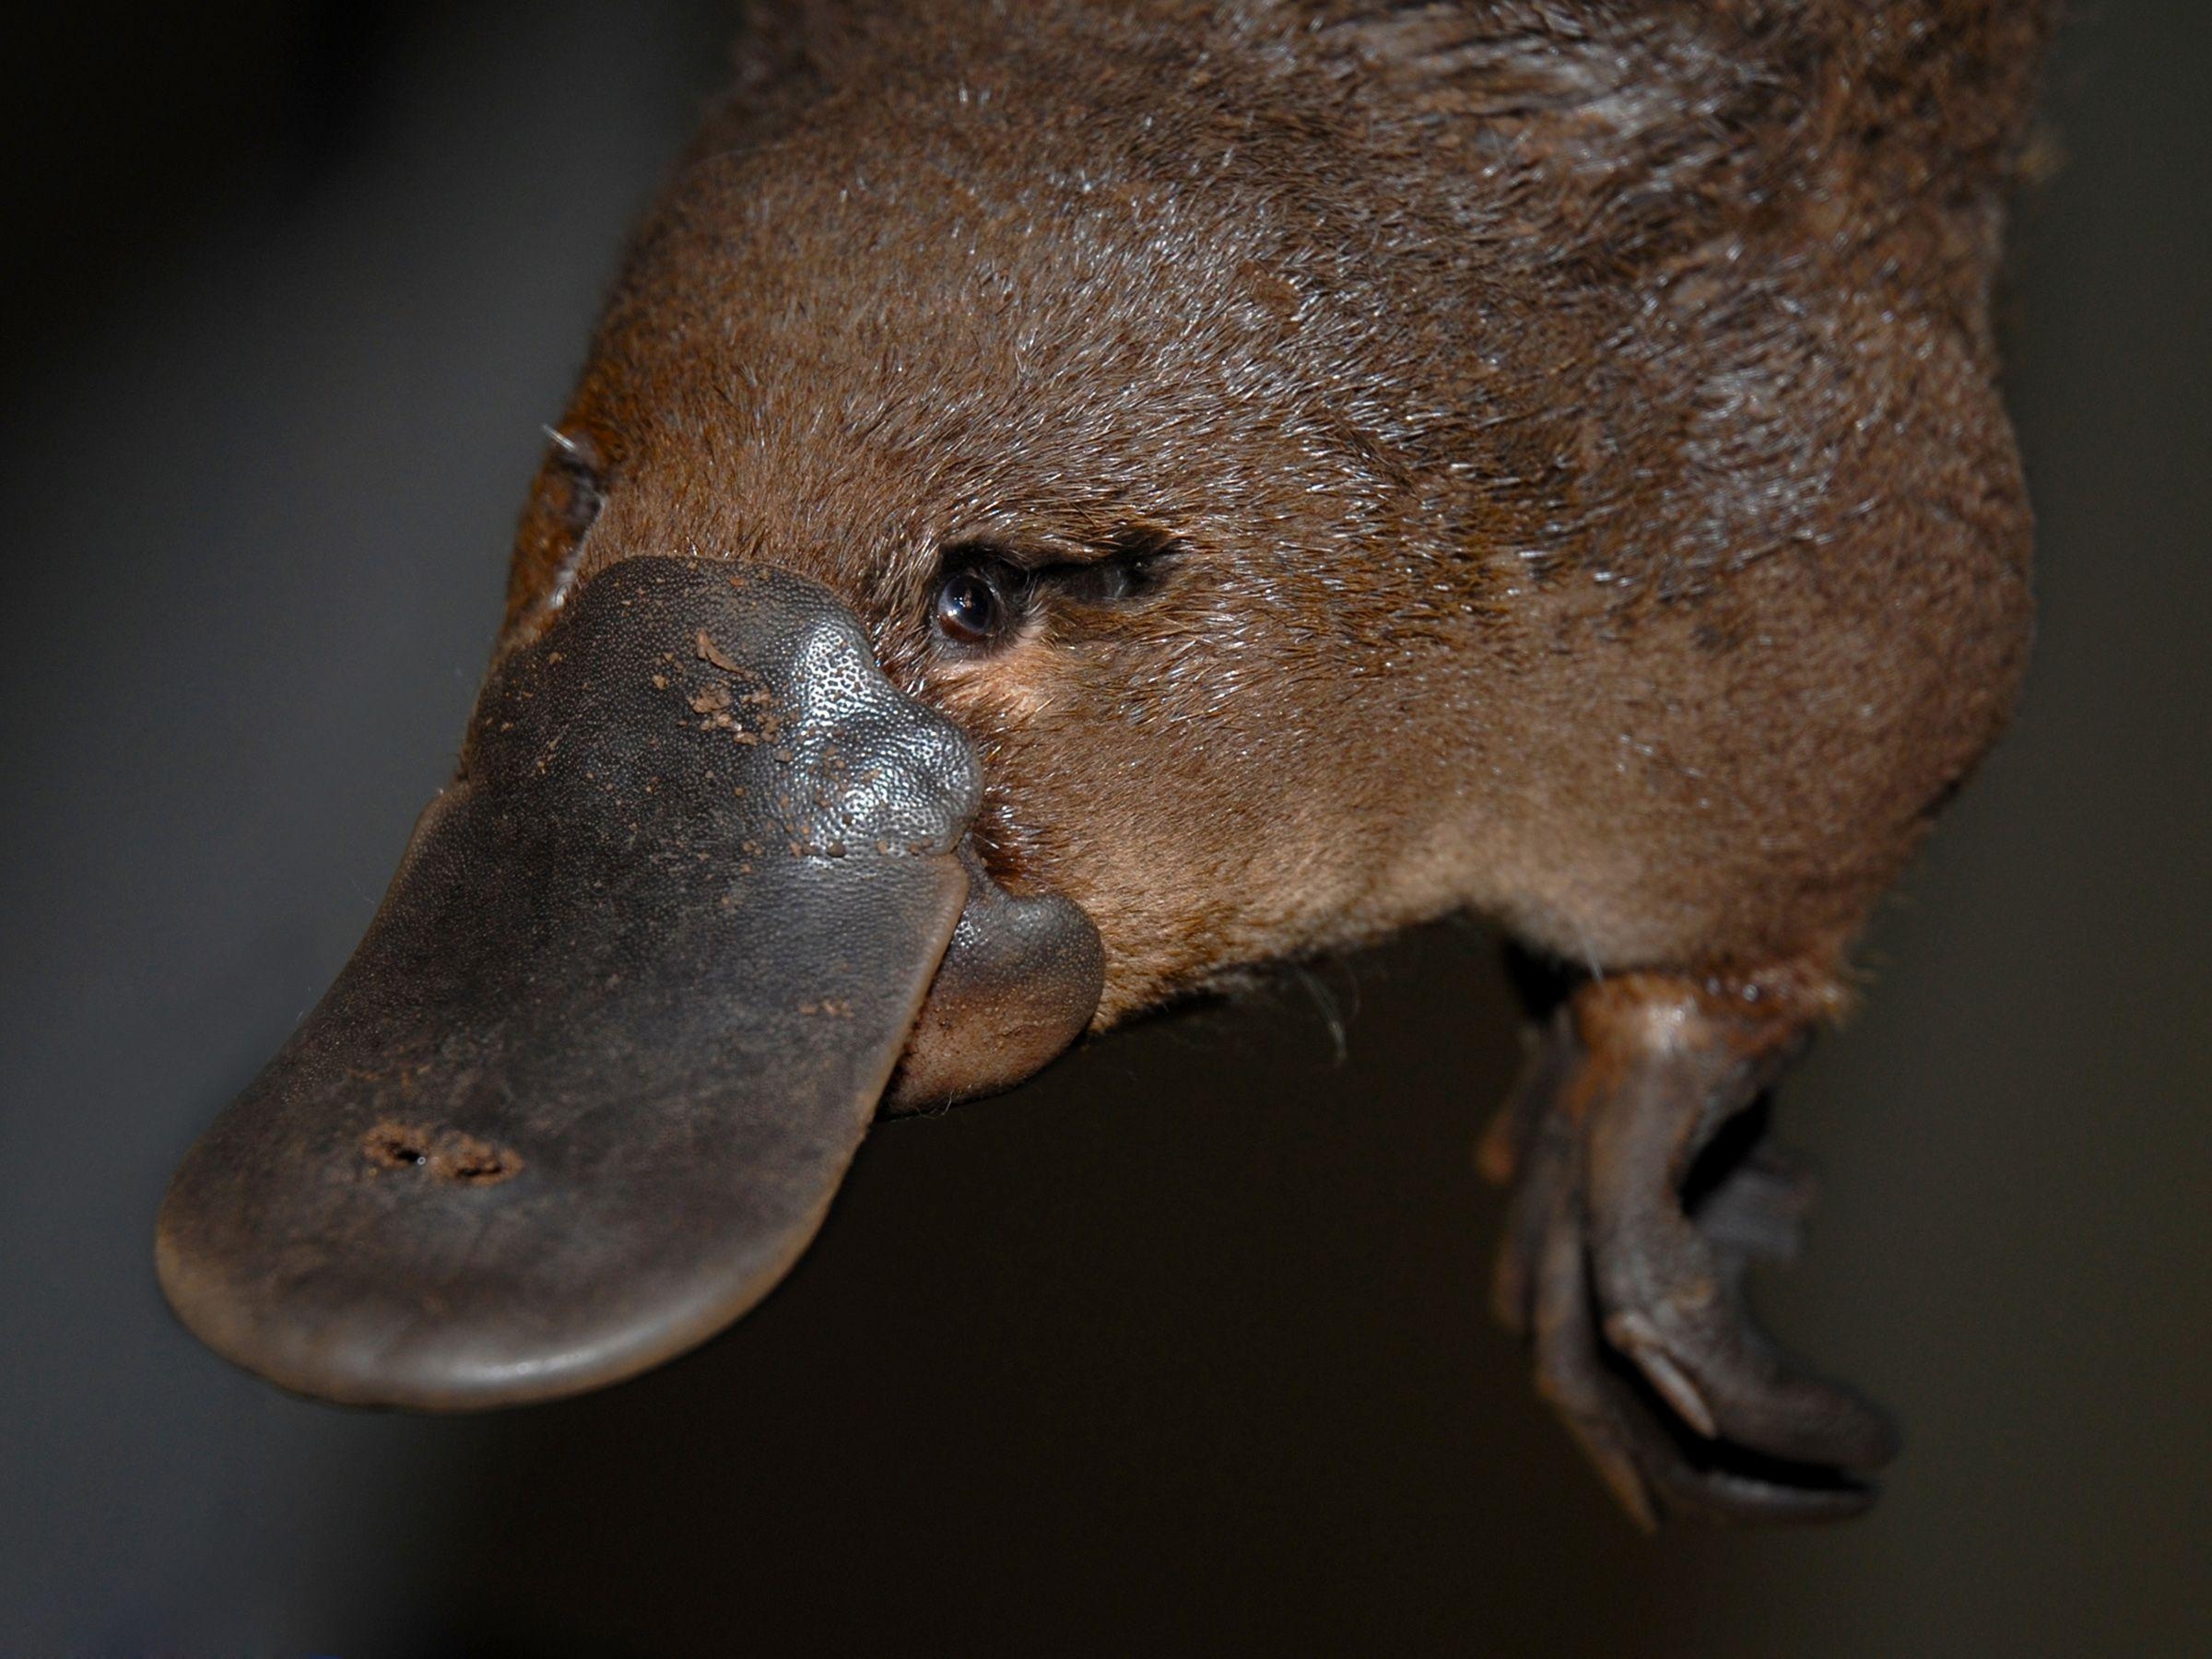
[1068, 502]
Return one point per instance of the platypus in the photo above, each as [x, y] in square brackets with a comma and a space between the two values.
[1070, 503]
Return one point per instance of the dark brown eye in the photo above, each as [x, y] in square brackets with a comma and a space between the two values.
[972, 608]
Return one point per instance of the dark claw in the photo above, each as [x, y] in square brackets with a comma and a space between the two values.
[1671, 1305]
[1573, 1377]
[1642, 1191]
[1655, 1464]
[1530, 1147]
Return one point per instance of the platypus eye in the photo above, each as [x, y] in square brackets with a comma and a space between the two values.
[972, 606]
[576, 477]
[987, 594]
[564, 504]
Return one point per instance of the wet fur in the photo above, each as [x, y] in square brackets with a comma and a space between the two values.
[1568, 433]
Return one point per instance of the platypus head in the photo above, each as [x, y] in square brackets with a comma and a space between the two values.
[946, 619]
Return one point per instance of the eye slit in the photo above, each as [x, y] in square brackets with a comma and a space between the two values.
[577, 480]
[984, 593]
[1105, 581]
[972, 607]
[1131, 566]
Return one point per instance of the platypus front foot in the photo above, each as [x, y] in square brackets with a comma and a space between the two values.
[1644, 1188]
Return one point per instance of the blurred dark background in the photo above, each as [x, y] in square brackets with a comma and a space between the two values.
[1181, 1348]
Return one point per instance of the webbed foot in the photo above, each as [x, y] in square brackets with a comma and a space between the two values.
[1644, 1187]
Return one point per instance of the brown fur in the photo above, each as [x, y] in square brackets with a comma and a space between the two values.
[1571, 426]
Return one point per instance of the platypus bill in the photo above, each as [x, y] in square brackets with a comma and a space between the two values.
[1068, 502]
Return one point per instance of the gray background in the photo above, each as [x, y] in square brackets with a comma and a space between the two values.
[1179, 1347]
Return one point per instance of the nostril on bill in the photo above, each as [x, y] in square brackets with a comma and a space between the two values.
[442, 1154]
